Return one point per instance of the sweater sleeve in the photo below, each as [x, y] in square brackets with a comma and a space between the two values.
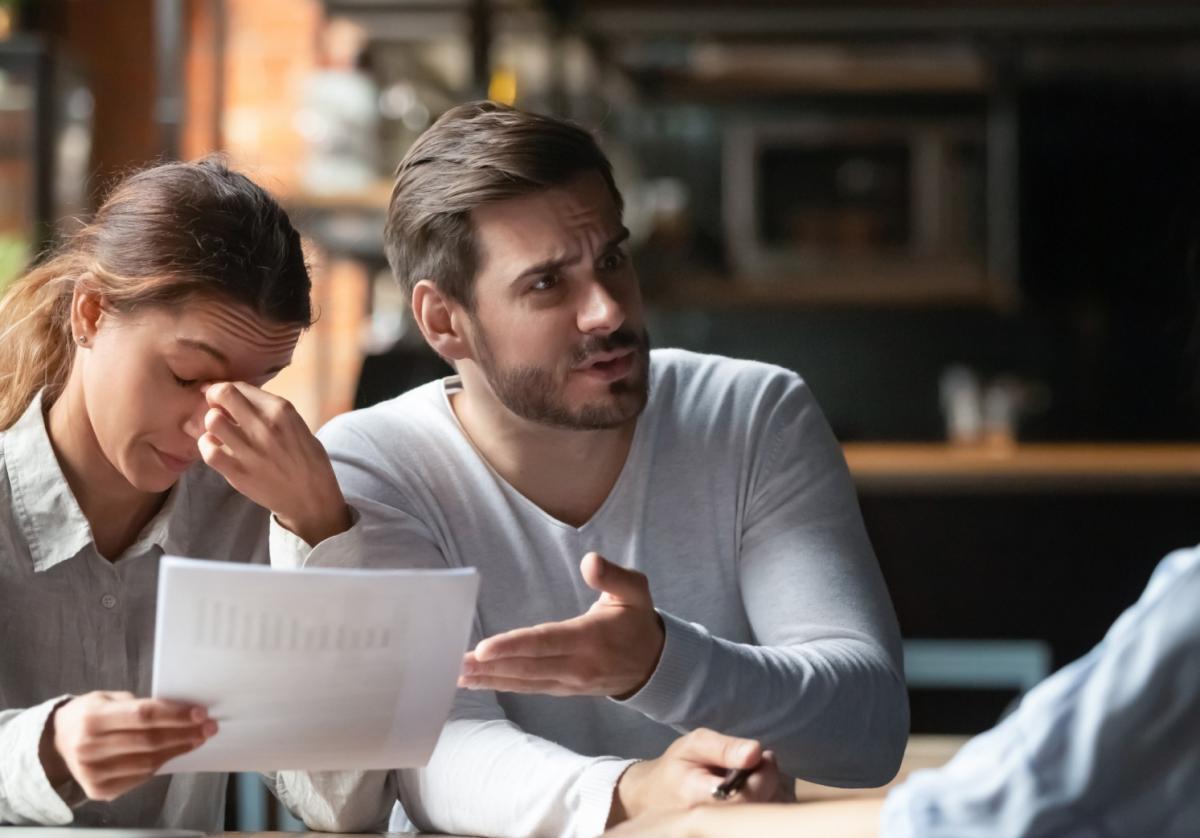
[822, 684]
[486, 775]
[1104, 747]
[518, 784]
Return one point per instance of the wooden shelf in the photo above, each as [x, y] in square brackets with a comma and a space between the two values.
[1025, 467]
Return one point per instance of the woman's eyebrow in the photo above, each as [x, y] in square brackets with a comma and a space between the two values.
[203, 347]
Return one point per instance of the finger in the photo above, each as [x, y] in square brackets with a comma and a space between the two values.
[553, 668]
[144, 713]
[216, 454]
[627, 586]
[516, 685]
[716, 750]
[232, 398]
[106, 695]
[263, 402]
[698, 783]
[763, 785]
[231, 434]
[119, 775]
[146, 741]
[545, 640]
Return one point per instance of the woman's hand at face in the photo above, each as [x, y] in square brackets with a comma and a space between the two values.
[261, 445]
[111, 742]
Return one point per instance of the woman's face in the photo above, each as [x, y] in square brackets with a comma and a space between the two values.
[144, 374]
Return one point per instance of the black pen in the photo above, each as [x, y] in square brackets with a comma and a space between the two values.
[735, 778]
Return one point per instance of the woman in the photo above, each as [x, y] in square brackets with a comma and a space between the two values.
[128, 357]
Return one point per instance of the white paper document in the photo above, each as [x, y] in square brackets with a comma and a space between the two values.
[315, 669]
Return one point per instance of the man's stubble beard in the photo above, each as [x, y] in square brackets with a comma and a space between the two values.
[533, 392]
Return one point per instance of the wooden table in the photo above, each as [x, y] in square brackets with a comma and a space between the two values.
[923, 751]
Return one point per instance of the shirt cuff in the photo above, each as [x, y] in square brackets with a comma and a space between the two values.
[597, 787]
[28, 788]
[290, 552]
[681, 672]
[895, 818]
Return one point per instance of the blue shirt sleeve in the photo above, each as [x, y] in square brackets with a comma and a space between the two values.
[1108, 746]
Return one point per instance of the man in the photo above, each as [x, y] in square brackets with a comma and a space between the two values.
[1108, 746]
[707, 498]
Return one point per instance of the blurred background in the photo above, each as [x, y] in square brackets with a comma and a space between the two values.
[969, 225]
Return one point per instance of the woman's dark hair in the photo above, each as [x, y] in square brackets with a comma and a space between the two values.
[164, 236]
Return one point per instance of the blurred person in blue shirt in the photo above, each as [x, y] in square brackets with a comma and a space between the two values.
[1107, 746]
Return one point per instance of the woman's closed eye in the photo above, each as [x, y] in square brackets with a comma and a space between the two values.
[181, 380]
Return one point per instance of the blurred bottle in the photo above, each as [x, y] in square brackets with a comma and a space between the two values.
[962, 408]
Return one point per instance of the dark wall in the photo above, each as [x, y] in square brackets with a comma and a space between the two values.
[1109, 189]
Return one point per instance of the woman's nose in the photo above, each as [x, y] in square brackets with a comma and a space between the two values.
[193, 423]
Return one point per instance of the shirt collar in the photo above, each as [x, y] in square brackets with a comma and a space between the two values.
[50, 519]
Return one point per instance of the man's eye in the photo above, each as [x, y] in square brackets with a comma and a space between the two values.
[545, 283]
[184, 382]
[612, 261]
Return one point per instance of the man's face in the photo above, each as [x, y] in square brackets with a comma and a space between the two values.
[557, 329]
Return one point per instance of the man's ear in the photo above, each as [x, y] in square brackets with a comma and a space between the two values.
[87, 309]
[442, 321]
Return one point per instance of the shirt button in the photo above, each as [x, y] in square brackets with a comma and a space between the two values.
[108, 601]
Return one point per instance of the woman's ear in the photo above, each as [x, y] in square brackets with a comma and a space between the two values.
[87, 309]
[442, 321]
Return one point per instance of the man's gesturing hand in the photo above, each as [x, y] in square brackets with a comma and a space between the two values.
[610, 650]
[111, 742]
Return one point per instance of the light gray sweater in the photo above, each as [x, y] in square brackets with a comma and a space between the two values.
[736, 502]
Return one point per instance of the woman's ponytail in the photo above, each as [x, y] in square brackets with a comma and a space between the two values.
[35, 335]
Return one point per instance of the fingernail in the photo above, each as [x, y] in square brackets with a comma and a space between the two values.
[210, 728]
[746, 751]
[199, 714]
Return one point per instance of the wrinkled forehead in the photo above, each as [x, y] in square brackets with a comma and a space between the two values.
[584, 202]
[249, 344]
[582, 212]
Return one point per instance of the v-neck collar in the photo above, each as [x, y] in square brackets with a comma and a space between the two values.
[453, 383]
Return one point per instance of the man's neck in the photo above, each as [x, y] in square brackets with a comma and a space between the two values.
[567, 473]
[116, 511]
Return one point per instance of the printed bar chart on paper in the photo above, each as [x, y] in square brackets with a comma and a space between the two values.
[318, 669]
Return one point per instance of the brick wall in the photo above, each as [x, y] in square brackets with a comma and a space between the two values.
[270, 47]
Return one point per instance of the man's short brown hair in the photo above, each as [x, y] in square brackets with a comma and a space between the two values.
[475, 154]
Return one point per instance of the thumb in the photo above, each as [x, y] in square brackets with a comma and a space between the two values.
[628, 586]
[716, 750]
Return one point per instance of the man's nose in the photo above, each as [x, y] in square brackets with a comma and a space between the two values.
[601, 311]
